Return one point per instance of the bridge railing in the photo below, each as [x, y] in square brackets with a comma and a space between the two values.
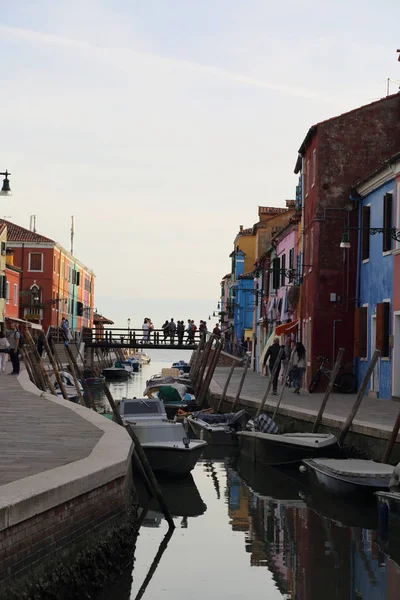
[135, 338]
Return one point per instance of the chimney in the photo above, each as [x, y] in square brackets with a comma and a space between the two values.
[240, 228]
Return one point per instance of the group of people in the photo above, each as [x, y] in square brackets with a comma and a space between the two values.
[178, 329]
[296, 356]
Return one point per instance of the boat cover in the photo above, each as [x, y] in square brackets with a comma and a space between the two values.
[232, 419]
[354, 466]
[265, 424]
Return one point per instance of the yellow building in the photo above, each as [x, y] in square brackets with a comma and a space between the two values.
[3, 287]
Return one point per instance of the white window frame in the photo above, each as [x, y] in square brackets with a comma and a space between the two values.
[15, 294]
[29, 263]
[314, 167]
[7, 292]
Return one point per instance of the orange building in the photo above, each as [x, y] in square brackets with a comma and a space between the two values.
[53, 283]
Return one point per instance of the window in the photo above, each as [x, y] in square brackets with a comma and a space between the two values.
[382, 328]
[366, 222]
[291, 265]
[361, 332]
[78, 278]
[398, 212]
[3, 287]
[7, 292]
[305, 249]
[283, 266]
[15, 294]
[35, 261]
[275, 273]
[307, 177]
[55, 264]
[314, 167]
[387, 222]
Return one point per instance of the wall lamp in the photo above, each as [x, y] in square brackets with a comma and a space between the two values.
[6, 190]
[393, 232]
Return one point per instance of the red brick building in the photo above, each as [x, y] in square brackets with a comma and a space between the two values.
[53, 283]
[334, 155]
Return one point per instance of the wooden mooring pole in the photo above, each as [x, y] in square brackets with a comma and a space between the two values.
[55, 368]
[287, 370]
[328, 390]
[204, 360]
[46, 379]
[227, 382]
[74, 377]
[271, 379]
[81, 377]
[241, 383]
[360, 396]
[141, 459]
[28, 366]
[210, 373]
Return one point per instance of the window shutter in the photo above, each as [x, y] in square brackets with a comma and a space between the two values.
[283, 267]
[387, 222]
[379, 326]
[366, 221]
[275, 278]
[361, 332]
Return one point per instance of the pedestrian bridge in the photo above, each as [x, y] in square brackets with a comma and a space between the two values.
[138, 338]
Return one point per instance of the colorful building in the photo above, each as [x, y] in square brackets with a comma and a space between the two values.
[54, 283]
[13, 286]
[334, 155]
[3, 280]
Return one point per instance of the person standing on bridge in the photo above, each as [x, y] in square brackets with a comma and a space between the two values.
[165, 329]
[145, 327]
[180, 330]
[172, 330]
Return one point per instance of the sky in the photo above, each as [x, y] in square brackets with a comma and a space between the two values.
[162, 125]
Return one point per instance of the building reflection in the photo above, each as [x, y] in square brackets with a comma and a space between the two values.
[309, 555]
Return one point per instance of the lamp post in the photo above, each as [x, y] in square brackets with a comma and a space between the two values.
[392, 232]
[6, 190]
[129, 324]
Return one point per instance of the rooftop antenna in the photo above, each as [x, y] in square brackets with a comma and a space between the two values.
[32, 223]
[72, 233]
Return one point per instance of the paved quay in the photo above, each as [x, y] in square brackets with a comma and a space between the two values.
[37, 434]
[375, 417]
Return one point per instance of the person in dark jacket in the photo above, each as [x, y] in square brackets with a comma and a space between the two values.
[272, 355]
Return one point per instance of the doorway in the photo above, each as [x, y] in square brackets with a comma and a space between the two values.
[375, 373]
[396, 354]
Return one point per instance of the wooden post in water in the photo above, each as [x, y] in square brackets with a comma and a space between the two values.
[359, 398]
[141, 458]
[275, 367]
[204, 359]
[241, 382]
[46, 379]
[210, 373]
[194, 369]
[55, 368]
[224, 391]
[28, 365]
[328, 390]
[81, 377]
[76, 382]
[39, 380]
[287, 370]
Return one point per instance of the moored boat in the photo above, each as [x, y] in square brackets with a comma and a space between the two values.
[286, 448]
[165, 443]
[348, 476]
[218, 430]
[143, 357]
[69, 385]
[95, 380]
[118, 371]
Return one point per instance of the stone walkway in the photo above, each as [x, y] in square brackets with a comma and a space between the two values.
[375, 417]
[37, 434]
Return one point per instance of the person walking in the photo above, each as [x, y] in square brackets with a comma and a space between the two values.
[4, 346]
[272, 355]
[65, 329]
[298, 366]
[217, 332]
[15, 336]
[180, 330]
[203, 329]
[172, 330]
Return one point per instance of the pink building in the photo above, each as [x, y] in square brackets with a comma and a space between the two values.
[285, 242]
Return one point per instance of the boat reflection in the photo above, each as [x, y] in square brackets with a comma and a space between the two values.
[313, 546]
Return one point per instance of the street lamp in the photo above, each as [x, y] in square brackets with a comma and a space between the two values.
[391, 231]
[6, 190]
[129, 323]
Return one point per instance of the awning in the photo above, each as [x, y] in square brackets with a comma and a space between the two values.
[26, 323]
[286, 328]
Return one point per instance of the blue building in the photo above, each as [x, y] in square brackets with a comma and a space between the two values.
[373, 322]
[243, 290]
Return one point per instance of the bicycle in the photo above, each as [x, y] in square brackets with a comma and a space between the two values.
[345, 382]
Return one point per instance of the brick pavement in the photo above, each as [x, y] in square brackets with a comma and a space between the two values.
[37, 434]
[375, 417]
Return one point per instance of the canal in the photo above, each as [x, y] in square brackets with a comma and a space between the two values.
[244, 533]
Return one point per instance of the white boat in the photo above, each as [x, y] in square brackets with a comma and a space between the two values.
[165, 443]
[218, 430]
[286, 448]
[348, 476]
[142, 356]
[69, 386]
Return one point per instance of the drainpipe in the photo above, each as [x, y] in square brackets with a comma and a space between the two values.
[334, 339]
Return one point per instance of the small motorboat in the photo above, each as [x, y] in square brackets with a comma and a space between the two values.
[95, 380]
[348, 476]
[69, 386]
[118, 371]
[218, 429]
[132, 364]
[181, 365]
[165, 443]
[142, 357]
[286, 448]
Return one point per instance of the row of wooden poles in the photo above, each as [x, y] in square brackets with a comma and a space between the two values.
[201, 358]
[40, 377]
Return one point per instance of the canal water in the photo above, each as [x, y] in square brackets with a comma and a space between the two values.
[244, 532]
